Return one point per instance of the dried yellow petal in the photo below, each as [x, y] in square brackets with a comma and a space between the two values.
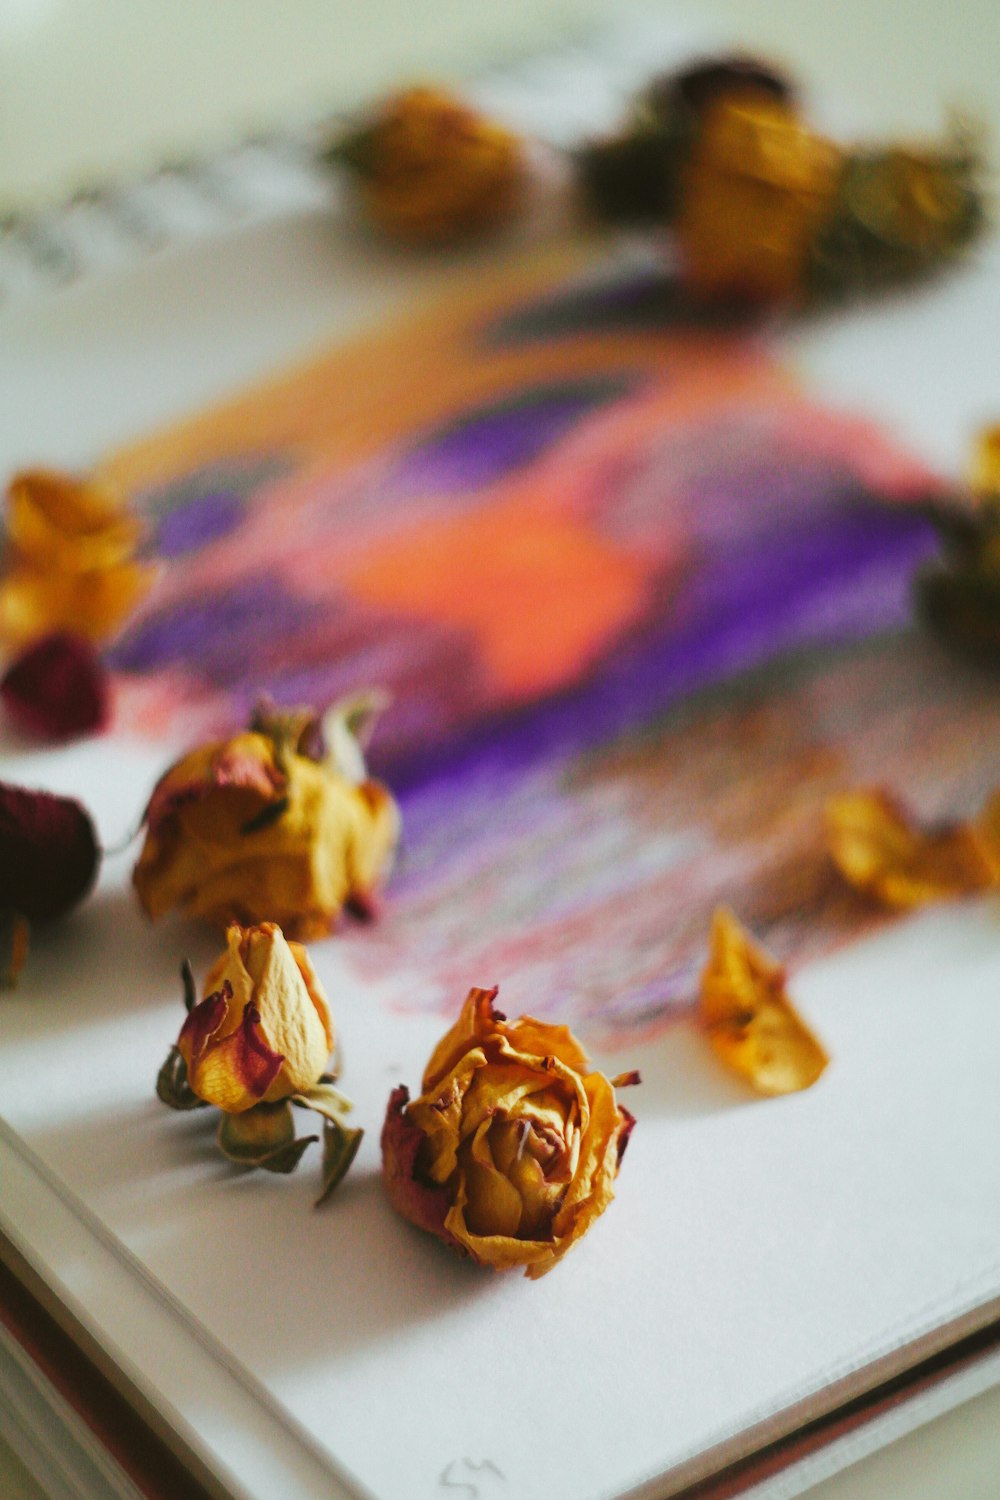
[882, 851]
[749, 1019]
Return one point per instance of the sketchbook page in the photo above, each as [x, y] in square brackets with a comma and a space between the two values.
[577, 796]
[580, 787]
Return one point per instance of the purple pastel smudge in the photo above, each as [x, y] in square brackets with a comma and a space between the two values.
[484, 445]
[216, 638]
[827, 581]
[201, 521]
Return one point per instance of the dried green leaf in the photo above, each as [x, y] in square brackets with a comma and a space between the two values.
[347, 729]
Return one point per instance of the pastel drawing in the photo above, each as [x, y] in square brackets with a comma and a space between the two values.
[640, 601]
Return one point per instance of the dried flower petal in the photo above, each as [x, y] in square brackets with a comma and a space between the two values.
[70, 558]
[881, 850]
[510, 1152]
[430, 169]
[254, 829]
[57, 688]
[48, 852]
[748, 1018]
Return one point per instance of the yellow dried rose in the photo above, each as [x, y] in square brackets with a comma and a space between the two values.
[258, 1042]
[882, 851]
[280, 823]
[510, 1152]
[757, 186]
[70, 558]
[430, 169]
[748, 1018]
[263, 1030]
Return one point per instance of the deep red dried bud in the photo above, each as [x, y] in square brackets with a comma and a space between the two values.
[48, 852]
[697, 88]
[57, 689]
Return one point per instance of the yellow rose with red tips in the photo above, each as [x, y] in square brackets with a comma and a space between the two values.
[263, 1031]
[258, 1043]
[510, 1152]
[278, 823]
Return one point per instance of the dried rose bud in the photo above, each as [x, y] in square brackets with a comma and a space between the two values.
[429, 169]
[70, 559]
[510, 1152]
[255, 829]
[754, 192]
[57, 689]
[48, 852]
[258, 1043]
[632, 176]
[263, 1031]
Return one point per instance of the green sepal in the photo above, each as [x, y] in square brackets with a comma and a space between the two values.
[189, 986]
[325, 1100]
[263, 1137]
[172, 1087]
[340, 1147]
[347, 728]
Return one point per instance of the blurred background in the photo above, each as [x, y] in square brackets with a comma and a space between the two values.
[94, 89]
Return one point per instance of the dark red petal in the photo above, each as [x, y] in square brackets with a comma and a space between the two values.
[57, 689]
[241, 771]
[256, 1065]
[422, 1203]
[625, 1131]
[48, 852]
[204, 1020]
